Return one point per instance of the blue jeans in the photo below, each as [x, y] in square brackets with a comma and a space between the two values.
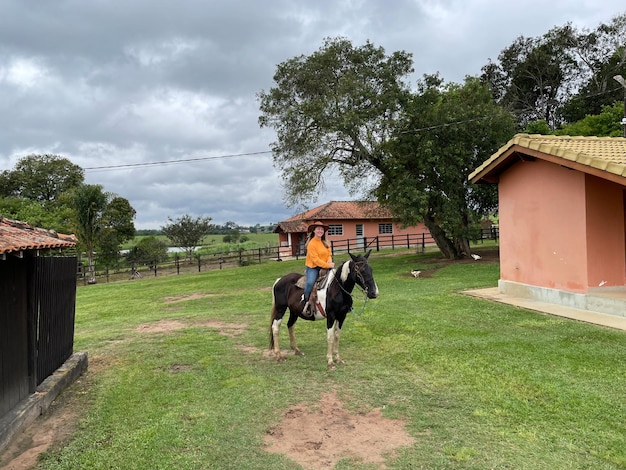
[311, 277]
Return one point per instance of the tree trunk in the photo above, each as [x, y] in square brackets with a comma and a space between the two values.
[91, 268]
[446, 246]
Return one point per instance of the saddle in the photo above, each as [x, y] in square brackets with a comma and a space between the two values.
[319, 287]
[319, 284]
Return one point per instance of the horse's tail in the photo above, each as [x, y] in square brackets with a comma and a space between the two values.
[273, 314]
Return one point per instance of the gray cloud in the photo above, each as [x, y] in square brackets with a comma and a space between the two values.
[131, 82]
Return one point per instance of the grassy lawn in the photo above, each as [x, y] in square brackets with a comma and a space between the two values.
[478, 384]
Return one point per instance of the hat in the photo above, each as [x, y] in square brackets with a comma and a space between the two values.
[317, 224]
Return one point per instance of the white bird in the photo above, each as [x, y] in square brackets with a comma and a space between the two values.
[416, 273]
[475, 256]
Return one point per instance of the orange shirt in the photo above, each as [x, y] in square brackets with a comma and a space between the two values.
[317, 254]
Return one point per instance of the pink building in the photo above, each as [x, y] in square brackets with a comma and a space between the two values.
[357, 220]
[562, 216]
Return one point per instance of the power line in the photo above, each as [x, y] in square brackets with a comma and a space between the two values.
[171, 162]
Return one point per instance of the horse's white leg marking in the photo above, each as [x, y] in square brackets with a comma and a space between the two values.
[275, 331]
[292, 341]
[337, 333]
[330, 340]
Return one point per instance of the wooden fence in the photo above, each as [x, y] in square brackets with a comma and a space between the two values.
[123, 270]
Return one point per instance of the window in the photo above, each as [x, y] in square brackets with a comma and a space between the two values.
[335, 229]
[385, 229]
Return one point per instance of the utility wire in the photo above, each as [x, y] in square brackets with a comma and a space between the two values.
[217, 157]
[171, 162]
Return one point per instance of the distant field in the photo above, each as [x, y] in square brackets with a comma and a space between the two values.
[214, 242]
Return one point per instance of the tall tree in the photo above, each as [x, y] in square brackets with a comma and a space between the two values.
[116, 227]
[601, 55]
[100, 221]
[348, 109]
[448, 131]
[562, 76]
[187, 232]
[42, 178]
[531, 76]
[334, 110]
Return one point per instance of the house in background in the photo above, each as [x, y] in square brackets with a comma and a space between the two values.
[357, 220]
[562, 217]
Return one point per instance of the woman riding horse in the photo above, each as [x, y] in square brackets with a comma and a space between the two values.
[287, 293]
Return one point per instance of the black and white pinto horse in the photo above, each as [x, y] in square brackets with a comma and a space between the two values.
[336, 302]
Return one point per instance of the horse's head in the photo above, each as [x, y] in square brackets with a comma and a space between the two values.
[363, 274]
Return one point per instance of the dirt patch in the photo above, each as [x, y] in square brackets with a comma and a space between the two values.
[183, 298]
[52, 429]
[319, 438]
[164, 326]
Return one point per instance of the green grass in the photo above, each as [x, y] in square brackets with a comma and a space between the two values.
[478, 384]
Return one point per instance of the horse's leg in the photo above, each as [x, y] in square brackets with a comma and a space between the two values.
[330, 341]
[337, 334]
[293, 317]
[275, 331]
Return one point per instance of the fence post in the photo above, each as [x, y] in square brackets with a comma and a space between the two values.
[377, 243]
[408, 242]
[393, 242]
[259, 255]
[199, 263]
[106, 273]
[332, 247]
[423, 242]
[155, 268]
[177, 263]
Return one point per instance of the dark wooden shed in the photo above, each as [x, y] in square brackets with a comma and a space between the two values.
[37, 299]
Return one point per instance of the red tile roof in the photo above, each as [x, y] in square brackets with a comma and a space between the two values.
[604, 156]
[18, 236]
[334, 210]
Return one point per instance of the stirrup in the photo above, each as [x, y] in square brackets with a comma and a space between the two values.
[309, 310]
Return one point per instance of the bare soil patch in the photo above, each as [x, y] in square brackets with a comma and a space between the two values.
[182, 298]
[50, 430]
[320, 437]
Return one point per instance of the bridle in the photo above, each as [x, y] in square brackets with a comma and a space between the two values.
[357, 271]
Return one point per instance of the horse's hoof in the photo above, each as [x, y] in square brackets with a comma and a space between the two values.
[331, 366]
[280, 358]
[298, 352]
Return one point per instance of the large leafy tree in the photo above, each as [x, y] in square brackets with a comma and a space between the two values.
[101, 221]
[447, 132]
[348, 109]
[35, 213]
[561, 76]
[116, 227]
[601, 54]
[531, 76]
[334, 110]
[42, 178]
[187, 232]
[33, 191]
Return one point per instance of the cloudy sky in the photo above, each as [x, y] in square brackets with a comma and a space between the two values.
[122, 87]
